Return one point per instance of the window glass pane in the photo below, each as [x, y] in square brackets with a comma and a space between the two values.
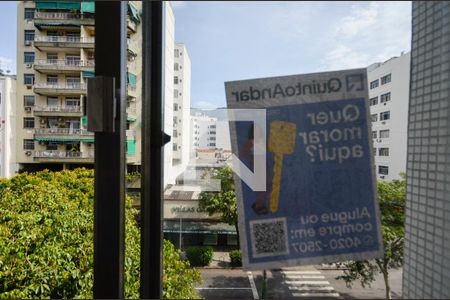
[373, 101]
[28, 100]
[28, 144]
[28, 79]
[29, 13]
[384, 133]
[385, 97]
[29, 35]
[28, 57]
[28, 122]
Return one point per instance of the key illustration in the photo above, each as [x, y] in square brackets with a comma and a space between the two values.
[281, 142]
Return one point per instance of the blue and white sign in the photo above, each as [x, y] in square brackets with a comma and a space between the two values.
[320, 202]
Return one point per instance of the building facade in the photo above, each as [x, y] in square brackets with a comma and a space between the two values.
[204, 131]
[426, 270]
[8, 167]
[181, 135]
[55, 56]
[388, 99]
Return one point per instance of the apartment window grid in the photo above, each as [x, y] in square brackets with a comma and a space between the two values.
[52, 146]
[28, 144]
[29, 35]
[386, 115]
[374, 134]
[73, 102]
[52, 79]
[52, 58]
[384, 134]
[28, 100]
[176, 66]
[385, 97]
[52, 101]
[383, 170]
[28, 57]
[374, 117]
[175, 80]
[28, 122]
[175, 93]
[373, 101]
[383, 151]
[386, 79]
[374, 84]
[374, 151]
[29, 13]
[28, 79]
[175, 107]
[177, 53]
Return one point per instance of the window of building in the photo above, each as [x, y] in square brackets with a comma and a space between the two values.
[52, 146]
[212, 144]
[176, 67]
[29, 13]
[52, 79]
[175, 93]
[175, 107]
[177, 53]
[174, 147]
[73, 37]
[28, 100]
[73, 81]
[72, 101]
[52, 123]
[374, 151]
[28, 144]
[386, 115]
[374, 84]
[52, 58]
[52, 101]
[212, 132]
[386, 79]
[383, 151]
[373, 101]
[383, 170]
[175, 79]
[384, 134]
[385, 97]
[374, 134]
[212, 126]
[28, 122]
[28, 57]
[212, 138]
[374, 117]
[175, 133]
[29, 35]
[73, 60]
[28, 79]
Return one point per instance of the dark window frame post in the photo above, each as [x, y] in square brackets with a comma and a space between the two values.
[109, 202]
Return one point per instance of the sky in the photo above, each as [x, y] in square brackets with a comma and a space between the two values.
[229, 41]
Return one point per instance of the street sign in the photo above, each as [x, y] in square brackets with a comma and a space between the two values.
[320, 203]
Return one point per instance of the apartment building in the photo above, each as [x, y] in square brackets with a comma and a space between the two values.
[388, 100]
[426, 270]
[204, 132]
[55, 56]
[8, 167]
[181, 135]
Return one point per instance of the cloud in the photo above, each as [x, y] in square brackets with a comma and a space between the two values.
[370, 32]
[5, 63]
[204, 105]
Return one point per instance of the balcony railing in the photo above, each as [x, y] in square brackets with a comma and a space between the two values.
[67, 86]
[64, 39]
[60, 16]
[61, 154]
[64, 109]
[62, 131]
[63, 63]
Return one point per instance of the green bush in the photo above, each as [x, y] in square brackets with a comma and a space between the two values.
[236, 258]
[199, 256]
[46, 240]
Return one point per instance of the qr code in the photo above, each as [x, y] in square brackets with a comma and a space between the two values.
[269, 237]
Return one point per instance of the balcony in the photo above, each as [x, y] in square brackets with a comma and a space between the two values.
[49, 43]
[66, 156]
[69, 89]
[61, 20]
[50, 111]
[63, 135]
[131, 114]
[63, 66]
[131, 135]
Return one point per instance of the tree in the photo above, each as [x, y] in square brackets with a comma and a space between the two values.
[46, 240]
[224, 201]
[392, 197]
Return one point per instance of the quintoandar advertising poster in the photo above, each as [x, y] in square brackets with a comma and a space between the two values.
[320, 203]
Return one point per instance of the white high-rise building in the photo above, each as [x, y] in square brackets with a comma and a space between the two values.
[181, 135]
[8, 167]
[203, 130]
[388, 100]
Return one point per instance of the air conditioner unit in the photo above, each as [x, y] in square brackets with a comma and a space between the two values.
[27, 43]
[29, 66]
[27, 108]
[28, 153]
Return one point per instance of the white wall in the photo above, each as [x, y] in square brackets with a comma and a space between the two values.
[201, 132]
[8, 166]
[223, 135]
[398, 106]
